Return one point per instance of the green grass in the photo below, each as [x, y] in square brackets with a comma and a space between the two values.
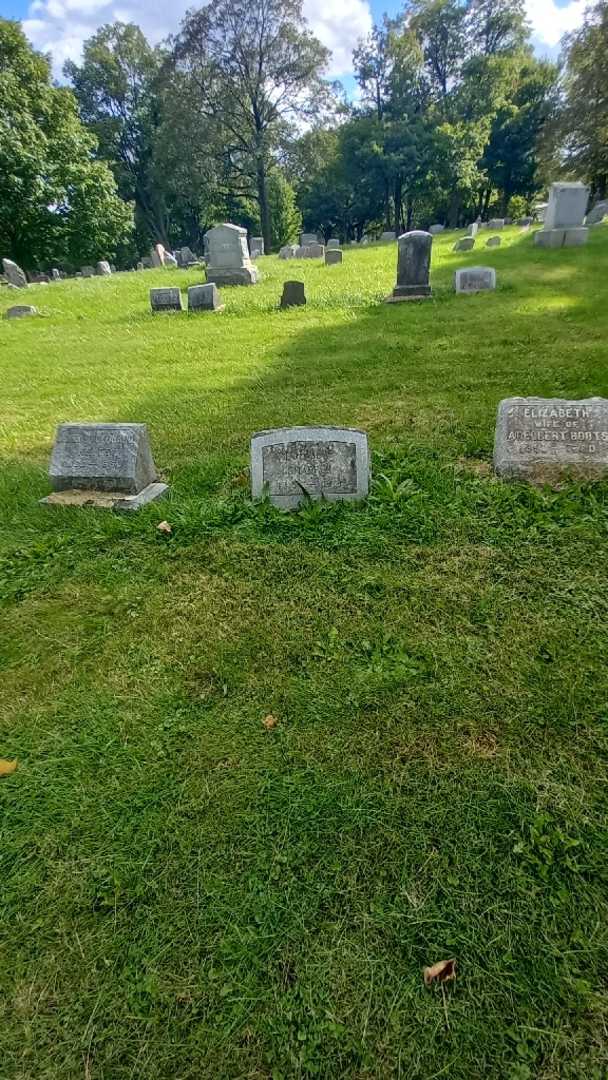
[186, 895]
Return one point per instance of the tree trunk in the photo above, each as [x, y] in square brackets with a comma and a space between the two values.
[264, 206]
[387, 208]
[453, 210]
[410, 212]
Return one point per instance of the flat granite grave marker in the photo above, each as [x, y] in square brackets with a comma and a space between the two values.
[333, 257]
[546, 439]
[204, 298]
[165, 300]
[109, 466]
[472, 279]
[293, 294]
[293, 464]
[20, 311]
[413, 267]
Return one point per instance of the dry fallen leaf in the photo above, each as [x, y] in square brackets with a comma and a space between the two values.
[165, 527]
[269, 722]
[442, 972]
[7, 767]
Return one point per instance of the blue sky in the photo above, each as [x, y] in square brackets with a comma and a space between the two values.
[61, 26]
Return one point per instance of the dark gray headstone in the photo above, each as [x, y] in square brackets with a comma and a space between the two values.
[293, 294]
[14, 274]
[291, 464]
[165, 300]
[102, 457]
[20, 311]
[204, 298]
[466, 243]
[413, 267]
[333, 257]
[546, 439]
[332, 244]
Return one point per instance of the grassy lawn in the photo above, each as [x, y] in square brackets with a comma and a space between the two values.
[185, 894]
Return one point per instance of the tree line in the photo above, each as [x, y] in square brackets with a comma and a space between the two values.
[234, 119]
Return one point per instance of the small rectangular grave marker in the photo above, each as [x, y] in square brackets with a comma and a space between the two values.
[204, 298]
[472, 279]
[545, 439]
[166, 300]
[290, 464]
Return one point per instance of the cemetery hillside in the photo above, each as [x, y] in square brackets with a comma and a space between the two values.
[303, 545]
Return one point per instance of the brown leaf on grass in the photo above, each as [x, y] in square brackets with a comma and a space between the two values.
[270, 722]
[7, 767]
[442, 972]
[164, 527]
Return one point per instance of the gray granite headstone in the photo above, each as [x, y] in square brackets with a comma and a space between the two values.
[256, 246]
[564, 216]
[291, 464]
[496, 223]
[288, 251]
[493, 241]
[103, 268]
[436, 229]
[204, 298]
[293, 294]
[20, 311]
[413, 267]
[332, 243]
[111, 463]
[307, 238]
[56, 276]
[546, 439]
[14, 274]
[466, 243]
[388, 237]
[597, 214]
[472, 279]
[87, 271]
[165, 300]
[311, 251]
[333, 257]
[228, 261]
[472, 229]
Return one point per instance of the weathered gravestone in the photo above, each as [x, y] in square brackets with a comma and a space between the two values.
[56, 276]
[472, 279]
[87, 271]
[104, 465]
[564, 216]
[496, 223]
[140, 265]
[103, 268]
[307, 238]
[332, 244]
[311, 251]
[388, 237]
[157, 254]
[333, 257]
[187, 256]
[14, 274]
[466, 243]
[165, 300]
[546, 439]
[293, 294]
[293, 464]
[525, 222]
[20, 311]
[413, 267]
[288, 251]
[228, 261]
[493, 241]
[204, 298]
[472, 229]
[436, 229]
[597, 214]
[256, 246]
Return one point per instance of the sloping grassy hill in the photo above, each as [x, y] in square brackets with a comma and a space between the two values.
[186, 893]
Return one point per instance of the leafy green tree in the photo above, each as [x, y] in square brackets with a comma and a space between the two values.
[284, 214]
[256, 71]
[582, 128]
[57, 203]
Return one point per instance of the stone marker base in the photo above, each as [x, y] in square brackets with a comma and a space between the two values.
[557, 238]
[234, 276]
[398, 295]
[107, 500]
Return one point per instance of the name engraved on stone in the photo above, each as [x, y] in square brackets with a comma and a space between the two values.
[291, 464]
[544, 438]
[474, 279]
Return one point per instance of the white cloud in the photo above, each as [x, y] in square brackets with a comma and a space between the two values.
[60, 27]
[550, 22]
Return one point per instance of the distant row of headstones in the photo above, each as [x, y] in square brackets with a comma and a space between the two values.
[542, 440]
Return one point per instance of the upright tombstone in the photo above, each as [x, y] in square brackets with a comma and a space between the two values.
[228, 256]
[256, 246]
[204, 298]
[436, 229]
[466, 243]
[597, 214]
[473, 279]
[103, 268]
[496, 223]
[20, 311]
[493, 241]
[288, 251]
[165, 300]
[333, 257]
[291, 465]
[332, 244]
[140, 265]
[105, 465]
[472, 229]
[388, 237]
[413, 267]
[14, 274]
[87, 271]
[564, 216]
[311, 251]
[56, 276]
[547, 439]
[293, 294]
[187, 256]
[170, 260]
[307, 238]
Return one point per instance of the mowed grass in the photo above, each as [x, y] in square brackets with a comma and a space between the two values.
[186, 894]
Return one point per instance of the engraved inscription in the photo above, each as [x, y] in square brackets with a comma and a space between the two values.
[320, 468]
[582, 428]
